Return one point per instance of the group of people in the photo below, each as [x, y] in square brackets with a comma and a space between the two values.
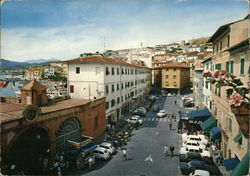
[171, 148]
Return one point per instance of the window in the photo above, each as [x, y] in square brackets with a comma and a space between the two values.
[113, 71]
[136, 71]
[167, 84]
[238, 138]
[132, 71]
[220, 45]
[218, 66]
[118, 70]
[242, 64]
[166, 76]
[228, 40]
[122, 71]
[126, 71]
[77, 70]
[174, 69]
[71, 89]
[217, 48]
[96, 122]
[232, 66]
[98, 71]
[107, 105]
[174, 76]
[227, 67]
[113, 88]
[118, 100]
[107, 89]
[121, 98]
[107, 71]
[135, 82]
[230, 124]
[217, 91]
[122, 85]
[112, 103]
[117, 86]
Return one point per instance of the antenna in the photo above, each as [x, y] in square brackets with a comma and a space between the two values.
[104, 44]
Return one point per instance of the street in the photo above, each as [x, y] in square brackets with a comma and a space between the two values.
[145, 148]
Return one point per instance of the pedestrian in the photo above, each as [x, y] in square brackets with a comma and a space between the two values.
[170, 125]
[172, 150]
[166, 150]
[213, 149]
[124, 151]
[175, 102]
[90, 161]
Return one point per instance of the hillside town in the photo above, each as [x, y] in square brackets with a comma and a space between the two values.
[171, 109]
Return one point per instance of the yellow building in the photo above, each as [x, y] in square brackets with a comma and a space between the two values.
[231, 53]
[175, 76]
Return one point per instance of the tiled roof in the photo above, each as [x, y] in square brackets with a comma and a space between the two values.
[173, 65]
[35, 85]
[99, 59]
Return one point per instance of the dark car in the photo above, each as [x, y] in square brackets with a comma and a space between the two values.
[188, 167]
[195, 156]
[139, 112]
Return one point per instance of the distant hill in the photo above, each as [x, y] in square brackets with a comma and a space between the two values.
[42, 60]
[6, 64]
[13, 65]
[198, 41]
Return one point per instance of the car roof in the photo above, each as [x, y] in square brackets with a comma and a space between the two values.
[106, 144]
[193, 154]
[100, 149]
[197, 162]
[201, 172]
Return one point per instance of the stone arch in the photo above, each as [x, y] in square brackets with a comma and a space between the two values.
[69, 129]
[28, 148]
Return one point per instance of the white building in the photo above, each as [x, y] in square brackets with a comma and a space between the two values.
[207, 99]
[122, 84]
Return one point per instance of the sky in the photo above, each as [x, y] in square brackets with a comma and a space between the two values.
[65, 29]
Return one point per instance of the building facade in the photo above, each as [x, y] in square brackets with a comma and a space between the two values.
[235, 61]
[122, 84]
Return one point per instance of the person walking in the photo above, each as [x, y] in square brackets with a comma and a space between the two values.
[172, 150]
[175, 102]
[124, 151]
[166, 150]
[170, 125]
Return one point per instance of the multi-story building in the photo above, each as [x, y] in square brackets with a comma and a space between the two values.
[207, 99]
[174, 76]
[122, 84]
[34, 73]
[231, 53]
[61, 68]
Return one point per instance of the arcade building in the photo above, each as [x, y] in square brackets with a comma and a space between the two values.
[31, 127]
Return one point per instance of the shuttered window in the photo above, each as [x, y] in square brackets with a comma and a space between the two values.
[242, 65]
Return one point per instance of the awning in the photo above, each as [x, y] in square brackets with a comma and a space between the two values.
[199, 115]
[243, 167]
[208, 124]
[215, 133]
[231, 163]
[89, 148]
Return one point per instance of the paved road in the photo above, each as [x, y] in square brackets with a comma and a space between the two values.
[145, 148]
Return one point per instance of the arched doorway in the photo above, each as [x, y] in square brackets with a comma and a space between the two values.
[68, 130]
[29, 149]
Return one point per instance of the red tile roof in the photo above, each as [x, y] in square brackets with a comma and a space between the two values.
[100, 59]
[173, 65]
[35, 85]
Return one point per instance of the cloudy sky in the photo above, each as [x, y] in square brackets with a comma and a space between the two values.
[64, 29]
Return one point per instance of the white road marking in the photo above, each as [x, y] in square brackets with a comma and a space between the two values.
[149, 158]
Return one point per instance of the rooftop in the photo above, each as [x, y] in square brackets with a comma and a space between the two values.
[11, 111]
[173, 65]
[34, 85]
[99, 59]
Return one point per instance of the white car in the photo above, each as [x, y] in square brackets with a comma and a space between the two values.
[135, 119]
[161, 113]
[199, 172]
[109, 147]
[185, 136]
[193, 143]
[101, 153]
[196, 138]
[196, 149]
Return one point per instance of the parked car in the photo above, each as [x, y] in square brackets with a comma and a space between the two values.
[189, 156]
[196, 149]
[142, 108]
[193, 143]
[139, 112]
[161, 113]
[109, 147]
[185, 136]
[101, 153]
[156, 108]
[135, 119]
[196, 138]
[189, 167]
[200, 172]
